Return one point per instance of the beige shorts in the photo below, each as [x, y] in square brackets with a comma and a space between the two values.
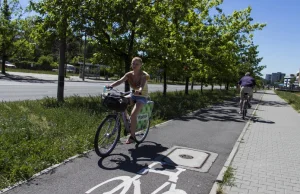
[244, 90]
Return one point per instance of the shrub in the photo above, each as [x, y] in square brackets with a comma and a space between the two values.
[45, 62]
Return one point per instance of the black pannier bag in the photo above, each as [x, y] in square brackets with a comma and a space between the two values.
[114, 102]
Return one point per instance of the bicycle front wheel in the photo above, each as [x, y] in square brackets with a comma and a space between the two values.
[107, 136]
[142, 134]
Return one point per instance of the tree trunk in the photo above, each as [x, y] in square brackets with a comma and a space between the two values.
[3, 63]
[192, 86]
[212, 87]
[62, 61]
[165, 81]
[84, 57]
[187, 79]
[129, 55]
[127, 69]
[227, 86]
[6, 16]
[201, 87]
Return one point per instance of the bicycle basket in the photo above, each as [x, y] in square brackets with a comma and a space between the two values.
[115, 103]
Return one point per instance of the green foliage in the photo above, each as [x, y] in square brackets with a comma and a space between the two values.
[76, 59]
[9, 32]
[293, 80]
[23, 64]
[228, 180]
[45, 63]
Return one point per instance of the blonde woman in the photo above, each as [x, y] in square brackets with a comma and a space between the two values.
[138, 81]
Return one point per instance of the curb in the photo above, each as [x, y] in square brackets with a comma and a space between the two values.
[47, 170]
[233, 152]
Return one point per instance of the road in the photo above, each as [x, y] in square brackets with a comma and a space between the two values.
[38, 89]
[214, 129]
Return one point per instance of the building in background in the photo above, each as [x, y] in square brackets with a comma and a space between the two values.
[288, 79]
[268, 77]
[276, 77]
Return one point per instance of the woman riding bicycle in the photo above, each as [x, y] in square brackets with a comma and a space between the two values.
[138, 81]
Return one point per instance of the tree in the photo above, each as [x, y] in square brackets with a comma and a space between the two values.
[226, 47]
[116, 26]
[56, 17]
[293, 79]
[25, 49]
[171, 37]
[8, 28]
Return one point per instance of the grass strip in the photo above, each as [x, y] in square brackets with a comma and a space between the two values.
[228, 180]
[35, 135]
[293, 98]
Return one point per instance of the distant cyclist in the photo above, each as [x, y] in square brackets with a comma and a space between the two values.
[246, 84]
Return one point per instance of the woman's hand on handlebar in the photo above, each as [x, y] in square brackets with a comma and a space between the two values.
[137, 92]
[108, 86]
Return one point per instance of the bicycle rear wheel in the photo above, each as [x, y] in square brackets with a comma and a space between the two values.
[107, 135]
[244, 108]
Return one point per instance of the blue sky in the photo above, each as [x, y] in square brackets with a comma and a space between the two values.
[279, 41]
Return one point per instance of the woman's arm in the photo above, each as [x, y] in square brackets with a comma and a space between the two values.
[120, 81]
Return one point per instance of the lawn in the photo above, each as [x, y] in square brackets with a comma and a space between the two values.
[37, 134]
[293, 98]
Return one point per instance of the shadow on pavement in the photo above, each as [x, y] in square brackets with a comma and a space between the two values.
[144, 152]
[260, 120]
[259, 92]
[226, 112]
[273, 103]
[28, 79]
[267, 92]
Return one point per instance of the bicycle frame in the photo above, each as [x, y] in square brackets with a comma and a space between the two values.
[245, 100]
[123, 115]
[125, 121]
[246, 97]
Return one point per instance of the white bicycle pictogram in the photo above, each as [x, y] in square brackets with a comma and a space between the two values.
[127, 181]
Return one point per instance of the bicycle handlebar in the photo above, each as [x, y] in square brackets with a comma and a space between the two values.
[123, 93]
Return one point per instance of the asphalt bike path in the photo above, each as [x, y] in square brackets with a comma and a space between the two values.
[147, 168]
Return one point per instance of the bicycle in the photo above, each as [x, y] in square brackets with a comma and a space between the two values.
[118, 103]
[245, 104]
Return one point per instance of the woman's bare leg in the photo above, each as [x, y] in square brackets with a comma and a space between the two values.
[135, 111]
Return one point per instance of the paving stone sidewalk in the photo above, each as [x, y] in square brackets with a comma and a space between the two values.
[268, 159]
